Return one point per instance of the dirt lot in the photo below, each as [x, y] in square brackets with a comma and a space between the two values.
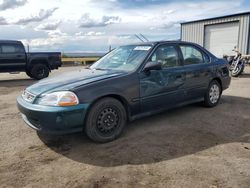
[191, 146]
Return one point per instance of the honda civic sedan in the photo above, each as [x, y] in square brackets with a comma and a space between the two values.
[130, 82]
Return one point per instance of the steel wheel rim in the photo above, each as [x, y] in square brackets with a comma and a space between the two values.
[40, 72]
[108, 121]
[214, 93]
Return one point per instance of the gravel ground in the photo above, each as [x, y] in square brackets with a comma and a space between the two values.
[190, 146]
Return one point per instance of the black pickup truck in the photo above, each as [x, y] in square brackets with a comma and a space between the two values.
[38, 65]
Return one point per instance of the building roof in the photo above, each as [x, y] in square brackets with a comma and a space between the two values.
[220, 17]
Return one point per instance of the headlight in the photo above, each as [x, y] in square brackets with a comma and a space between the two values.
[60, 98]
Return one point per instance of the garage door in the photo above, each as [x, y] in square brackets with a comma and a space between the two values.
[220, 39]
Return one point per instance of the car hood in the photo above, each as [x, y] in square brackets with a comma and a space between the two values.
[70, 80]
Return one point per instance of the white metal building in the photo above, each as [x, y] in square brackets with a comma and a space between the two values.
[221, 34]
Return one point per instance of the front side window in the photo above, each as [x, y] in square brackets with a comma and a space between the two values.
[124, 58]
[6, 48]
[191, 55]
[166, 55]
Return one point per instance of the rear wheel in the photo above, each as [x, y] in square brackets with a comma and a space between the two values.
[106, 120]
[213, 94]
[39, 71]
[29, 74]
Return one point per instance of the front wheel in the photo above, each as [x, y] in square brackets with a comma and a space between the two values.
[237, 70]
[106, 120]
[213, 94]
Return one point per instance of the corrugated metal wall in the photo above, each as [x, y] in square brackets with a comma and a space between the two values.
[194, 31]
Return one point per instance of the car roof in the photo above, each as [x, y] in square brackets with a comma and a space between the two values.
[163, 42]
[173, 42]
[10, 41]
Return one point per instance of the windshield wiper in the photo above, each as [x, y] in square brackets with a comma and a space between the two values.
[99, 69]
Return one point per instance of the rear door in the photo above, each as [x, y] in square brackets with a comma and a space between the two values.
[162, 88]
[12, 57]
[198, 71]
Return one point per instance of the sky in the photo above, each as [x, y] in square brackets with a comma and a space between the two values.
[94, 25]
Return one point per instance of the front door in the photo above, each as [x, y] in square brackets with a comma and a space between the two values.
[12, 58]
[162, 88]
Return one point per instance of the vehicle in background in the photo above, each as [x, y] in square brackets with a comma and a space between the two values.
[128, 83]
[237, 63]
[37, 65]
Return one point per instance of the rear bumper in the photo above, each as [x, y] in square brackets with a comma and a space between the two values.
[56, 64]
[53, 120]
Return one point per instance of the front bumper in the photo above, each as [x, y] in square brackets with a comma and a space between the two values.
[53, 120]
[225, 82]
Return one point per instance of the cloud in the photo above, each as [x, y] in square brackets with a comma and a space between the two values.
[11, 4]
[60, 43]
[3, 21]
[130, 4]
[57, 34]
[90, 33]
[48, 26]
[53, 40]
[171, 11]
[43, 42]
[42, 15]
[110, 22]
[87, 22]
[173, 24]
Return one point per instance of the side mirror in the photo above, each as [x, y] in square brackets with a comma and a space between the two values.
[152, 65]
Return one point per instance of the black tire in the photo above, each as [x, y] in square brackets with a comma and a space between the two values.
[212, 96]
[39, 71]
[29, 74]
[106, 120]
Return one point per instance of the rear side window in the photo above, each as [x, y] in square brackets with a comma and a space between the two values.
[191, 55]
[166, 55]
[7, 48]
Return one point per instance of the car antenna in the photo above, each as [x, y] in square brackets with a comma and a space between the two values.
[139, 38]
[145, 38]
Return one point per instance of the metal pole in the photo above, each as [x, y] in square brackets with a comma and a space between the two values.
[139, 38]
[144, 37]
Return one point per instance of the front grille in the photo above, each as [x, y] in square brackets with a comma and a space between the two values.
[27, 96]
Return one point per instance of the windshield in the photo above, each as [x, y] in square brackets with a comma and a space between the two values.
[124, 58]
